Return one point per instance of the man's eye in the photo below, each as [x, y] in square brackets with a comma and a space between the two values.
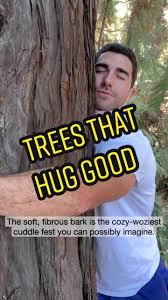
[99, 70]
[120, 77]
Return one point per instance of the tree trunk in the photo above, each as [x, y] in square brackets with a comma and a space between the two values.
[46, 79]
[100, 42]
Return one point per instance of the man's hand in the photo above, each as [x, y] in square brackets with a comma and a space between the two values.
[18, 196]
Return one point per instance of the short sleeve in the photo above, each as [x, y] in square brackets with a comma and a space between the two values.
[142, 149]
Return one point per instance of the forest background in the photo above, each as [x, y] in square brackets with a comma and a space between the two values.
[142, 25]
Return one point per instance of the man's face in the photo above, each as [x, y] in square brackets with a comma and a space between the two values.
[113, 81]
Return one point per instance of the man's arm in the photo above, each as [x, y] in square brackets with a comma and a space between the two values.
[18, 196]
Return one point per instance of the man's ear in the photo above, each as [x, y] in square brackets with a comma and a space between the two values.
[132, 93]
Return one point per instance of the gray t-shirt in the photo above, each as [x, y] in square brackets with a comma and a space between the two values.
[126, 264]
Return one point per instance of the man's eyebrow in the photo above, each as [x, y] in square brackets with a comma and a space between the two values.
[102, 65]
[120, 70]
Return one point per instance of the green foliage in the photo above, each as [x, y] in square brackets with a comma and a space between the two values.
[162, 232]
[158, 92]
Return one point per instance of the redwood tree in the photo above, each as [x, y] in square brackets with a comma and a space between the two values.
[46, 79]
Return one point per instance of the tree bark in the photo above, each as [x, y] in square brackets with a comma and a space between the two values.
[46, 79]
[100, 42]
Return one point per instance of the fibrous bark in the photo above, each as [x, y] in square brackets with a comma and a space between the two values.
[46, 79]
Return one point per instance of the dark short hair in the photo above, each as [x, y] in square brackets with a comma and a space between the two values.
[118, 48]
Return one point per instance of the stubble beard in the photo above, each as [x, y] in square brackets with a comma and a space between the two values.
[101, 104]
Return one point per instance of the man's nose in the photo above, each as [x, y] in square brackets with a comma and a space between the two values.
[109, 79]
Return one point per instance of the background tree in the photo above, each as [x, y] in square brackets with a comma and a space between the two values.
[46, 79]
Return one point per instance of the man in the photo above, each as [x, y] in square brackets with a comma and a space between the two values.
[127, 268]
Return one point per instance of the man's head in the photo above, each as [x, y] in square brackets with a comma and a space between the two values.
[116, 72]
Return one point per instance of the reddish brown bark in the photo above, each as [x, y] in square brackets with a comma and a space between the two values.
[47, 57]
